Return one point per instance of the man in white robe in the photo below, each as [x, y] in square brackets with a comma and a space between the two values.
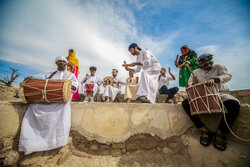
[46, 126]
[110, 92]
[150, 67]
[93, 82]
[132, 84]
[214, 74]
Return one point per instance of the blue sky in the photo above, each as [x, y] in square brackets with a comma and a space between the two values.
[34, 32]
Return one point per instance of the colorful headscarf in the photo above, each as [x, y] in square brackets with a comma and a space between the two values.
[72, 59]
[184, 50]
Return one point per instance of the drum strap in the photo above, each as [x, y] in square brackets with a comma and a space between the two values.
[44, 91]
[51, 75]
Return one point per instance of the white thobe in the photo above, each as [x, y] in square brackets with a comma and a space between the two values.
[112, 91]
[164, 80]
[46, 126]
[92, 79]
[149, 76]
[218, 71]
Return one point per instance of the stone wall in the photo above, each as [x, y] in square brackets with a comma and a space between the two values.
[130, 132]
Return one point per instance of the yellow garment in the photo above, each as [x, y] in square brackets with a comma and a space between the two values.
[72, 59]
[131, 88]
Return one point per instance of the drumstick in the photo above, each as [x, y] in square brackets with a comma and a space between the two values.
[177, 57]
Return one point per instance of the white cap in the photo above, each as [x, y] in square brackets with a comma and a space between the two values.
[61, 58]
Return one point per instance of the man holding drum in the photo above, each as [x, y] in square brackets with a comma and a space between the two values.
[46, 126]
[91, 85]
[214, 75]
[111, 91]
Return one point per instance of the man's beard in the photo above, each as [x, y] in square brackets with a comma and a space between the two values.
[61, 67]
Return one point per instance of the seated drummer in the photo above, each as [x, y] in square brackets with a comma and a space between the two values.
[91, 85]
[46, 126]
[110, 92]
[214, 74]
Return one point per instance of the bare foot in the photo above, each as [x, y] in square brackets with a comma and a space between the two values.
[174, 100]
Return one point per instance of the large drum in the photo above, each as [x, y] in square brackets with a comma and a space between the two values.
[204, 99]
[46, 90]
[108, 81]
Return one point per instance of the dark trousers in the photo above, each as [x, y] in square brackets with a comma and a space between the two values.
[170, 92]
[232, 106]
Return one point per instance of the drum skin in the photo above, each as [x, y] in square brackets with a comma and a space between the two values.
[57, 91]
[204, 99]
[108, 81]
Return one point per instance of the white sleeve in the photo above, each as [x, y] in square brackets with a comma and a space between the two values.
[170, 78]
[83, 80]
[121, 82]
[99, 81]
[138, 69]
[223, 75]
[190, 81]
[74, 82]
[146, 58]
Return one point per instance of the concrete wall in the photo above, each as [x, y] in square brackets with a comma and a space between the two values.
[116, 122]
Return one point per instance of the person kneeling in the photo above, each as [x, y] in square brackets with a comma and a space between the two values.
[164, 85]
[214, 74]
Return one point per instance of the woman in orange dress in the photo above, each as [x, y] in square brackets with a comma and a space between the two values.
[73, 66]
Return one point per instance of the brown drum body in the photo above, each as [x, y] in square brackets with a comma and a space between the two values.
[47, 91]
[108, 81]
[204, 99]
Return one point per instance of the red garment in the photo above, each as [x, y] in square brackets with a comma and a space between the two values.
[184, 51]
[89, 88]
[75, 94]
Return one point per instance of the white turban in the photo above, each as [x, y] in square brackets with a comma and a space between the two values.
[61, 58]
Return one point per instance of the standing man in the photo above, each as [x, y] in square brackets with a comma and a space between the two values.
[111, 92]
[187, 59]
[214, 74]
[132, 84]
[149, 76]
[46, 126]
[91, 85]
[164, 85]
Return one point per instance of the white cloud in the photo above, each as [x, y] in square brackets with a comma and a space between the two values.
[38, 31]
[212, 49]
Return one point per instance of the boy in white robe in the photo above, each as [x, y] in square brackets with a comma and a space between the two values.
[111, 92]
[46, 126]
[132, 84]
[150, 67]
[93, 83]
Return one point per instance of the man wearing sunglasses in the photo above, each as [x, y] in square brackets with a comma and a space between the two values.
[214, 74]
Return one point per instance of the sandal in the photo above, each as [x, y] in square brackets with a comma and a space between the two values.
[220, 141]
[205, 140]
[143, 99]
